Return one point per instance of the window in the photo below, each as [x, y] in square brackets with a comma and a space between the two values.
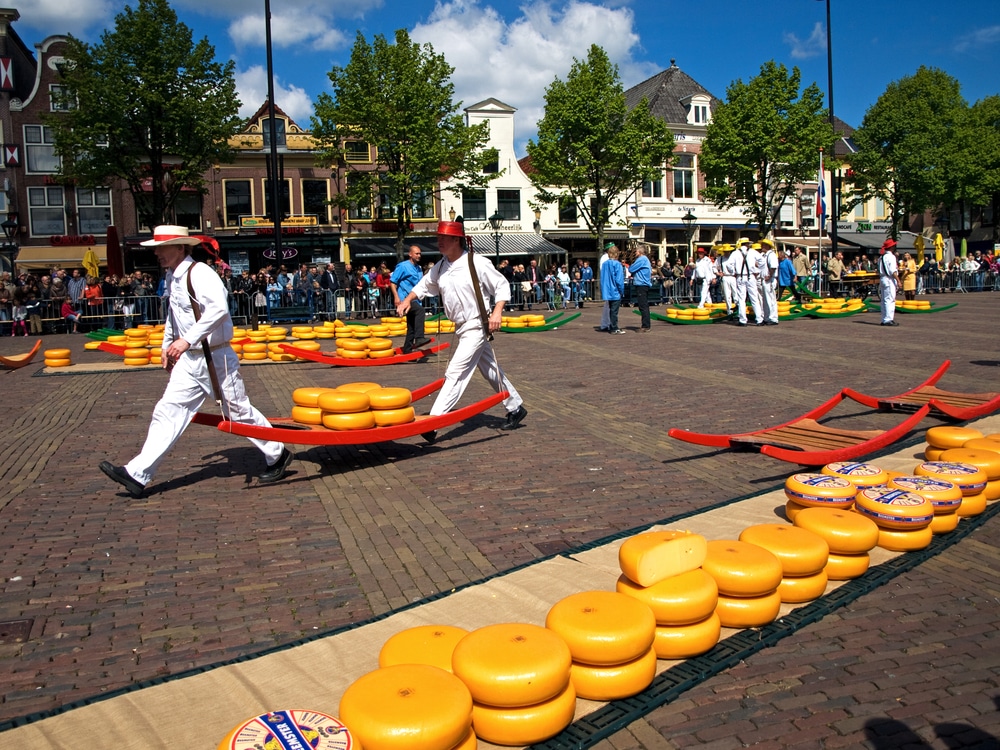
[701, 114]
[422, 206]
[356, 151]
[59, 100]
[93, 207]
[387, 208]
[509, 204]
[860, 211]
[683, 169]
[474, 205]
[238, 201]
[284, 197]
[279, 132]
[567, 210]
[187, 211]
[315, 194]
[699, 110]
[46, 209]
[881, 210]
[493, 167]
[357, 210]
[653, 188]
[40, 150]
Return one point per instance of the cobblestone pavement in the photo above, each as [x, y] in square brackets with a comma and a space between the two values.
[210, 566]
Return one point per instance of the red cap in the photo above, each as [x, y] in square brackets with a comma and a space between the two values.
[889, 243]
[451, 228]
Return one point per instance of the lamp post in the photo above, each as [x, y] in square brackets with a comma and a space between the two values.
[10, 246]
[689, 220]
[496, 221]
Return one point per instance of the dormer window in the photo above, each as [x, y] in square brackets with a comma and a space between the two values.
[699, 110]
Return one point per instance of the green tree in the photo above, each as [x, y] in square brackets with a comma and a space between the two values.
[905, 146]
[398, 98]
[146, 105]
[762, 142]
[972, 166]
[591, 149]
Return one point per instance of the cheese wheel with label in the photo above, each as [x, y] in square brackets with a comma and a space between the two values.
[685, 641]
[944, 496]
[846, 533]
[525, 725]
[894, 509]
[613, 682]
[389, 398]
[288, 729]
[407, 707]
[741, 568]
[970, 479]
[858, 474]
[308, 396]
[343, 402]
[652, 556]
[909, 540]
[972, 505]
[846, 567]
[361, 420]
[797, 589]
[602, 627]
[748, 611]
[944, 523]
[679, 600]
[512, 664]
[948, 436]
[987, 461]
[423, 644]
[800, 551]
[820, 490]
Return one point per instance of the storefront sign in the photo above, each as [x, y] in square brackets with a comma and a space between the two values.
[287, 253]
[261, 222]
[76, 239]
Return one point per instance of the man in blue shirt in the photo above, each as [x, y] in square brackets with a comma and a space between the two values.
[641, 279]
[612, 287]
[404, 277]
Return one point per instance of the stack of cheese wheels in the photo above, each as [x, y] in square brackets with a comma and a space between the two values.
[276, 353]
[610, 637]
[298, 728]
[303, 333]
[748, 577]
[939, 439]
[423, 644]
[992, 445]
[395, 326]
[903, 518]
[519, 677]
[306, 405]
[136, 356]
[324, 331]
[408, 707]
[276, 333]
[971, 480]
[945, 498]
[57, 358]
[859, 474]
[803, 556]
[255, 351]
[808, 490]
[365, 348]
[662, 569]
[849, 536]
[986, 461]
[346, 409]
[507, 322]
[391, 406]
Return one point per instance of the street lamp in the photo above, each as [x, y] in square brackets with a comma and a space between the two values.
[689, 220]
[496, 221]
[10, 246]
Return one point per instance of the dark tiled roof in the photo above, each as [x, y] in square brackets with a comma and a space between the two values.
[844, 146]
[666, 92]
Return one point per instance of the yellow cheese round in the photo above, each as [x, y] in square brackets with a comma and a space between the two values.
[391, 319]
[63, 362]
[983, 444]
[602, 627]
[136, 361]
[280, 357]
[343, 402]
[358, 387]
[905, 541]
[512, 664]
[390, 417]
[948, 436]
[469, 743]
[792, 509]
[383, 354]
[379, 344]
[92, 345]
[307, 414]
[352, 354]
[308, 396]
[610, 683]
[844, 532]
[117, 339]
[305, 336]
[944, 523]
[253, 356]
[360, 332]
[138, 332]
[933, 454]
[254, 348]
[274, 330]
[351, 345]
[56, 354]
[987, 461]
[858, 474]
[796, 589]
[407, 707]
[685, 641]
[748, 611]
[800, 551]
[291, 728]
[972, 505]
[423, 644]
[820, 490]
[679, 600]
[389, 398]
[526, 725]
[361, 420]
[308, 346]
[655, 555]
[944, 496]
[136, 353]
[846, 567]
[970, 479]
[742, 569]
[992, 490]
[894, 509]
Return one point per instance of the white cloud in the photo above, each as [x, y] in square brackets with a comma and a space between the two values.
[291, 27]
[802, 49]
[76, 18]
[979, 39]
[251, 85]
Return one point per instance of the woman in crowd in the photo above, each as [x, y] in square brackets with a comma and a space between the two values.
[518, 293]
[563, 278]
[908, 274]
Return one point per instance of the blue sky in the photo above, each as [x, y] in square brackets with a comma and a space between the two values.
[513, 52]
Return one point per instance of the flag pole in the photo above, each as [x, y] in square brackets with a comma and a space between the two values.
[821, 210]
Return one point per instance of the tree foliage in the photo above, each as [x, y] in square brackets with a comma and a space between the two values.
[591, 148]
[146, 105]
[762, 142]
[398, 98]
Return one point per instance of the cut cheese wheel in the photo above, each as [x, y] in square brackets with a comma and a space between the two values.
[610, 683]
[64, 362]
[291, 728]
[905, 541]
[254, 356]
[987, 461]
[944, 523]
[602, 627]
[748, 611]
[933, 454]
[846, 567]
[792, 509]
[352, 345]
[992, 491]
[91, 345]
[679, 600]
[307, 414]
[947, 436]
[945, 497]
[358, 387]
[894, 509]
[983, 444]
[970, 479]
[384, 354]
[820, 490]
[525, 725]
[308, 396]
[361, 420]
[858, 474]
[389, 398]
[742, 569]
[136, 361]
[424, 644]
[800, 551]
[655, 555]
[512, 664]
[343, 402]
[972, 505]
[378, 344]
[390, 417]
[56, 354]
[685, 641]
[796, 589]
[407, 707]
[280, 357]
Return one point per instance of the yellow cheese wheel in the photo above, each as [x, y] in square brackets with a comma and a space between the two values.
[91, 345]
[383, 354]
[389, 398]
[361, 420]
[277, 730]
[325, 335]
[972, 505]
[275, 348]
[820, 490]
[407, 707]
[970, 479]
[352, 345]
[308, 396]
[280, 357]
[360, 332]
[911, 540]
[845, 533]
[894, 509]
[307, 414]
[155, 360]
[742, 569]
[305, 336]
[56, 354]
[613, 682]
[515, 324]
[116, 339]
[655, 555]
[679, 600]
[846, 567]
[792, 509]
[136, 353]
[352, 354]
[944, 496]
[858, 474]
[136, 361]
[379, 344]
[274, 330]
[376, 329]
[337, 401]
[748, 611]
[423, 644]
[948, 436]
[992, 491]
[238, 348]
[512, 664]
[136, 332]
[685, 641]
[254, 348]
[944, 523]
[391, 319]
[308, 346]
[254, 356]
[275, 338]
[469, 743]
[983, 444]
[390, 417]
[63, 362]
[602, 627]
[358, 387]
[796, 589]
[933, 454]
[525, 725]
[800, 551]
[987, 461]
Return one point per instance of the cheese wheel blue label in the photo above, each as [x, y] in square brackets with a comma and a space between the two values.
[851, 469]
[292, 729]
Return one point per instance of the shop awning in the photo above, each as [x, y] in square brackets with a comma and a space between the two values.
[609, 234]
[362, 248]
[525, 243]
[64, 256]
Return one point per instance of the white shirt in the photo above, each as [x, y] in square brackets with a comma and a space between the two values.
[744, 265]
[767, 264]
[453, 282]
[887, 266]
[211, 294]
[703, 268]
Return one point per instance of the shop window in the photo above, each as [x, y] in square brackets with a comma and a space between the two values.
[509, 204]
[46, 209]
[40, 150]
[238, 201]
[284, 197]
[360, 211]
[474, 205]
[422, 206]
[93, 207]
[567, 210]
[187, 211]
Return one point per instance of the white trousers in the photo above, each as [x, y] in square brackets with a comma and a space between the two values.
[706, 292]
[747, 286]
[473, 352]
[887, 288]
[769, 299]
[729, 292]
[186, 391]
